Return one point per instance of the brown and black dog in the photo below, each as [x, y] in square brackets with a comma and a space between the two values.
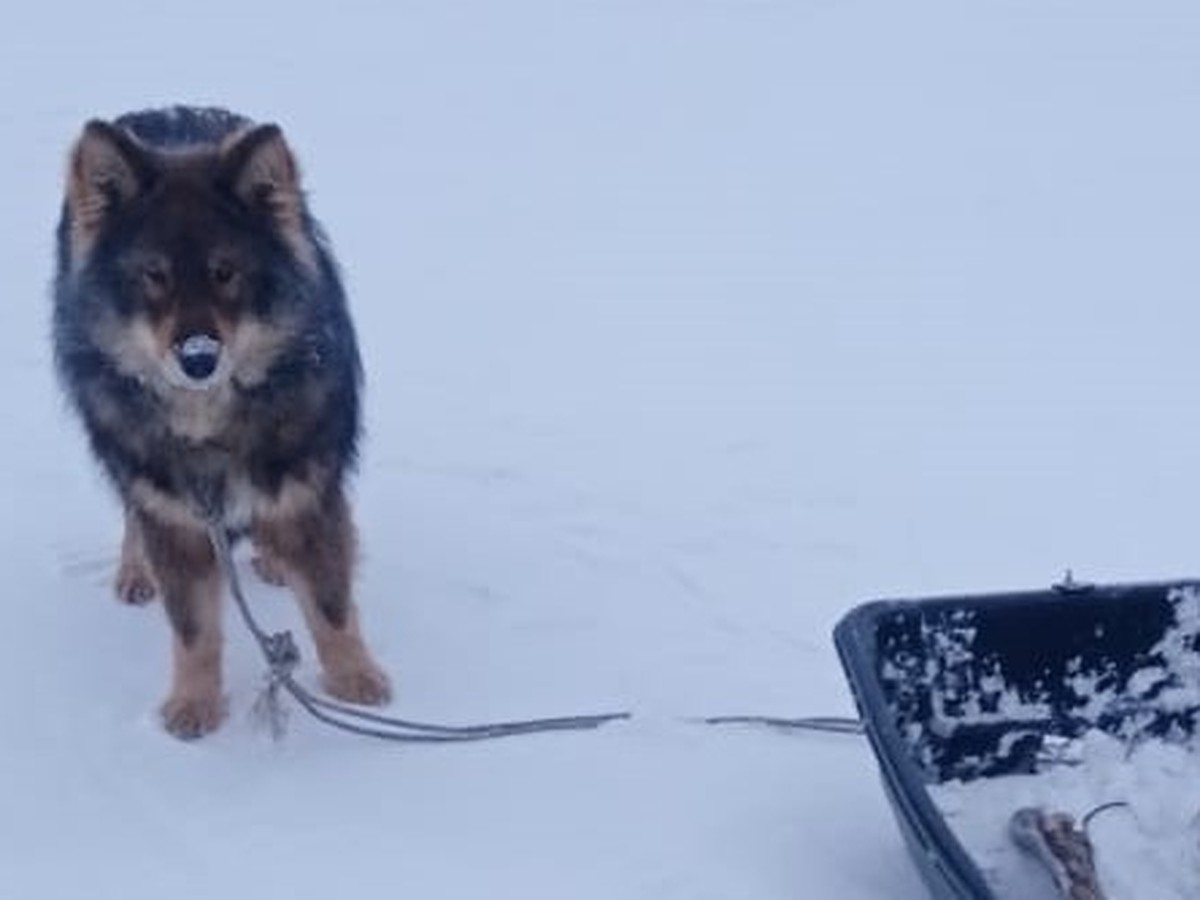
[202, 334]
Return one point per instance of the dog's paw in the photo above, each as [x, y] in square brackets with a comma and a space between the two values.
[134, 585]
[189, 717]
[365, 684]
[268, 570]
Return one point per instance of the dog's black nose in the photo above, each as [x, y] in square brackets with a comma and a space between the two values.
[198, 355]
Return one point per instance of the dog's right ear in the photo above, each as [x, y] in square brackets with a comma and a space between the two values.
[108, 169]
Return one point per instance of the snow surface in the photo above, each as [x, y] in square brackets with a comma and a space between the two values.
[688, 325]
[1144, 850]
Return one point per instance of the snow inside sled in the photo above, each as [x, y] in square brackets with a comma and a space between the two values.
[955, 690]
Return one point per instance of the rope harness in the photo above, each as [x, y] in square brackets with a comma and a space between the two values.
[282, 656]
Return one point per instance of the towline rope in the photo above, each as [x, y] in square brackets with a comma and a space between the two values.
[282, 655]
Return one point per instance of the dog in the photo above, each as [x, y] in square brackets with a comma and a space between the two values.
[202, 334]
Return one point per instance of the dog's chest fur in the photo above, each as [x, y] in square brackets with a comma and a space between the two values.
[200, 416]
[212, 445]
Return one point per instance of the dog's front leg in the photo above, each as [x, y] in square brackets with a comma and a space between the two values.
[187, 575]
[314, 549]
[135, 582]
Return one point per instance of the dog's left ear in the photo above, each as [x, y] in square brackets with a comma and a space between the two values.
[258, 166]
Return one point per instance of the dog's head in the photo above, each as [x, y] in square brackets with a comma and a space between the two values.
[197, 253]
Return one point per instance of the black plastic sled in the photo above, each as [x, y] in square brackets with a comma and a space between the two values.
[980, 686]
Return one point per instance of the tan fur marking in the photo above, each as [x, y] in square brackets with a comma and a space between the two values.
[199, 415]
[196, 705]
[315, 551]
[295, 499]
[135, 581]
[350, 672]
[134, 347]
[254, 346]
[162, 506]
[185, 569]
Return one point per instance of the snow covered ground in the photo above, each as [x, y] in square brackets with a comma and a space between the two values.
[688, 325]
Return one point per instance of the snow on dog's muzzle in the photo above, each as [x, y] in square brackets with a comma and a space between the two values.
[198, 356]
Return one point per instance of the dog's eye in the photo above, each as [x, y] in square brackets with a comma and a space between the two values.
[154, 277]
[223, 273]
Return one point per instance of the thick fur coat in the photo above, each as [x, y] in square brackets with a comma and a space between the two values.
[202, 334]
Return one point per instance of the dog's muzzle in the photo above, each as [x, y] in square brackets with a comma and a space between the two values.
[198, 355]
